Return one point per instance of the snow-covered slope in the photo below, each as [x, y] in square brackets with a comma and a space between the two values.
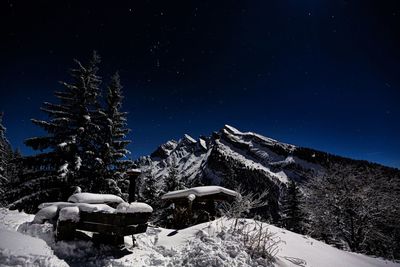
[207, 244]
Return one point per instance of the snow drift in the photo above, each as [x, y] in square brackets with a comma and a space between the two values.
[207, 244]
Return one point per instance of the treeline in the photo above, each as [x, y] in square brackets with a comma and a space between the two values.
[9, 162]
[356, 207]
[85, 143]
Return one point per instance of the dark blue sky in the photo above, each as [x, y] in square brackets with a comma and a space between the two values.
[320, 74]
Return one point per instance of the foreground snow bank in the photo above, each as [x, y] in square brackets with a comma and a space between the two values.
[207, 244]
[17, 249]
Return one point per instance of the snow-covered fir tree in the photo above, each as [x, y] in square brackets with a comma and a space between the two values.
[293, 217]
[150, 188]
[16, 168]
[173, 181]
[113, 134]
[6, 155]
[69, 152]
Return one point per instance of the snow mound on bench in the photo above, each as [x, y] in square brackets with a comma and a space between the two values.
[134, 207]
[49, 210]
[93, 198]
[69, 214]
[199, 192]
[47, 213]
[82, 206]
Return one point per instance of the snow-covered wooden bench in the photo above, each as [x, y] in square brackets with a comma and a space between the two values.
[109, 225]
[196, 205]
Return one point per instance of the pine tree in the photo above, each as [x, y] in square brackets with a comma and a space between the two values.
[150, 188]
[113, 141]
[16, 167]
[173, 181]
[292, 213]
[69, 151]
[6, 155]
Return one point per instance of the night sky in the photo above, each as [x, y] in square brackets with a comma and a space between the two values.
[320, 74]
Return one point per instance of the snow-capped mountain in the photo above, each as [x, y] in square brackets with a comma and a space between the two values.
[231, 157]
[212, 159]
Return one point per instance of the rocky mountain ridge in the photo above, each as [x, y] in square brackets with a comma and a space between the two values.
[233, 158]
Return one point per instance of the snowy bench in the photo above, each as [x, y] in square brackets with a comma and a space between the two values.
[109, 228]
[109, 225]
[196, 205]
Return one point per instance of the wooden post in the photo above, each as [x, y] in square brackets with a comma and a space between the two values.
[65, 230]
[133, 174]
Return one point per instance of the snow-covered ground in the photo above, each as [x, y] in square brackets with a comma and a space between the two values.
[207, 244]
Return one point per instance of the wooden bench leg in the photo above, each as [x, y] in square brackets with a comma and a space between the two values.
[65, 230]
[114, 240]
[133, 241]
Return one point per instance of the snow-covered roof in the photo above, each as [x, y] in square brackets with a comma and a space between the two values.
[199, 192]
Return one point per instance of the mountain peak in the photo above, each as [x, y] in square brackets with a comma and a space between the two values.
[189, 138]
[231, 129]
[213, 159]
[254, 137]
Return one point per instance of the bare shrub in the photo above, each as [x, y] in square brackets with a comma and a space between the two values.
[258, 239]
[254, 235]
[242, 204]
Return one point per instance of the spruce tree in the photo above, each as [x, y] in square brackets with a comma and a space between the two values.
[16, 167]
[292, 213]
[69, 152]
[150, 188]
[114, 131]
[173, 181]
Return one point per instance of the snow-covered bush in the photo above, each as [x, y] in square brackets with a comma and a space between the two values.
[257, 239]
[251, 245]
